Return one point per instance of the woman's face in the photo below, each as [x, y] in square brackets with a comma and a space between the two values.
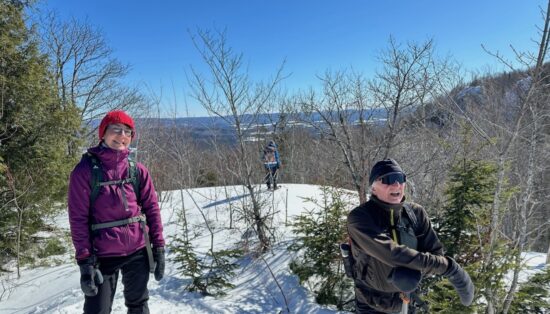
[118, 136]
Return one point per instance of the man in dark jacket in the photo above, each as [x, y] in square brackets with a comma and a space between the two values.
[389, 258]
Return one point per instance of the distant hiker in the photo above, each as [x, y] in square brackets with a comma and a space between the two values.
[271, 164]
[393, 246]
[115, 220]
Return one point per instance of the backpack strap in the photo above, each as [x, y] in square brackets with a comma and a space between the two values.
[134, 178]
[142, 222]
[117, 223]
[97, 182]
[96, 178]
[407, 227]
[411, 216]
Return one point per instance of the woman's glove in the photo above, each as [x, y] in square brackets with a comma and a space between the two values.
[90, 276]
[461, 281]
[158, 256]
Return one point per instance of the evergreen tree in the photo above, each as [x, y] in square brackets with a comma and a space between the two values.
[34, 131]
[206, 178]
[462, 230]
[188, 264]
[210, 274]
[534, 295]
[319, 234]
[469, 193]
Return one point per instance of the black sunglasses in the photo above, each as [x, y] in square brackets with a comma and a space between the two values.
[391, 178]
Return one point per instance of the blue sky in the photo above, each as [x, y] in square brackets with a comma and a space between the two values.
[312, 36]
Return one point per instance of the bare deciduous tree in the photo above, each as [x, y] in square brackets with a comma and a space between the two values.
[512, 123]
[365, 120]
[406, 81]
[229, 94]
[86, 72]
[342, 116]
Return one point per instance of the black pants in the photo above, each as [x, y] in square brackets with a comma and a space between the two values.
[271, 177]
[365, 309]
[135, 275]
[370, 301]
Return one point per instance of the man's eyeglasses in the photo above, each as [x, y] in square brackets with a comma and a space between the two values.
[121, 131]
[391, 178]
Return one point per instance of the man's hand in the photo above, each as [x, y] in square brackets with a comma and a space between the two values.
[158, 256]
[461, 281]
[405, 279]
[90, 276]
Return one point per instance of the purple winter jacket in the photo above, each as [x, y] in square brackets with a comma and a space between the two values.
[115, 241]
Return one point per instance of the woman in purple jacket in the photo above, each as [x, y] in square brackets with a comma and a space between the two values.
[114, 228]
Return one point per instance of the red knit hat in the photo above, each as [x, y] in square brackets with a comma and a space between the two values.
[112, 117]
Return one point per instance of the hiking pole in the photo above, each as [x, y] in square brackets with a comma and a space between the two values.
[267, 178]
[271, 181]
[275, 177]
[406, 300]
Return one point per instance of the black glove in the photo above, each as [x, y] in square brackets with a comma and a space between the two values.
[405, 279]
[90, 276]
[158, 256]
[461, 281]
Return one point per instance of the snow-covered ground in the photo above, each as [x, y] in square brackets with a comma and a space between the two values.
[57, 289]
[534, 262]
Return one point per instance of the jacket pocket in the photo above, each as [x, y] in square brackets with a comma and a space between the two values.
[360, 266]
[387, 302]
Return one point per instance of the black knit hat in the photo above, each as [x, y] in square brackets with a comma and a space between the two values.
[384, 167]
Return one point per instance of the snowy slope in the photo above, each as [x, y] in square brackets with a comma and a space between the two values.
[57, 290]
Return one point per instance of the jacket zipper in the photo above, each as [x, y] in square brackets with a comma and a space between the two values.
[125, 228]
